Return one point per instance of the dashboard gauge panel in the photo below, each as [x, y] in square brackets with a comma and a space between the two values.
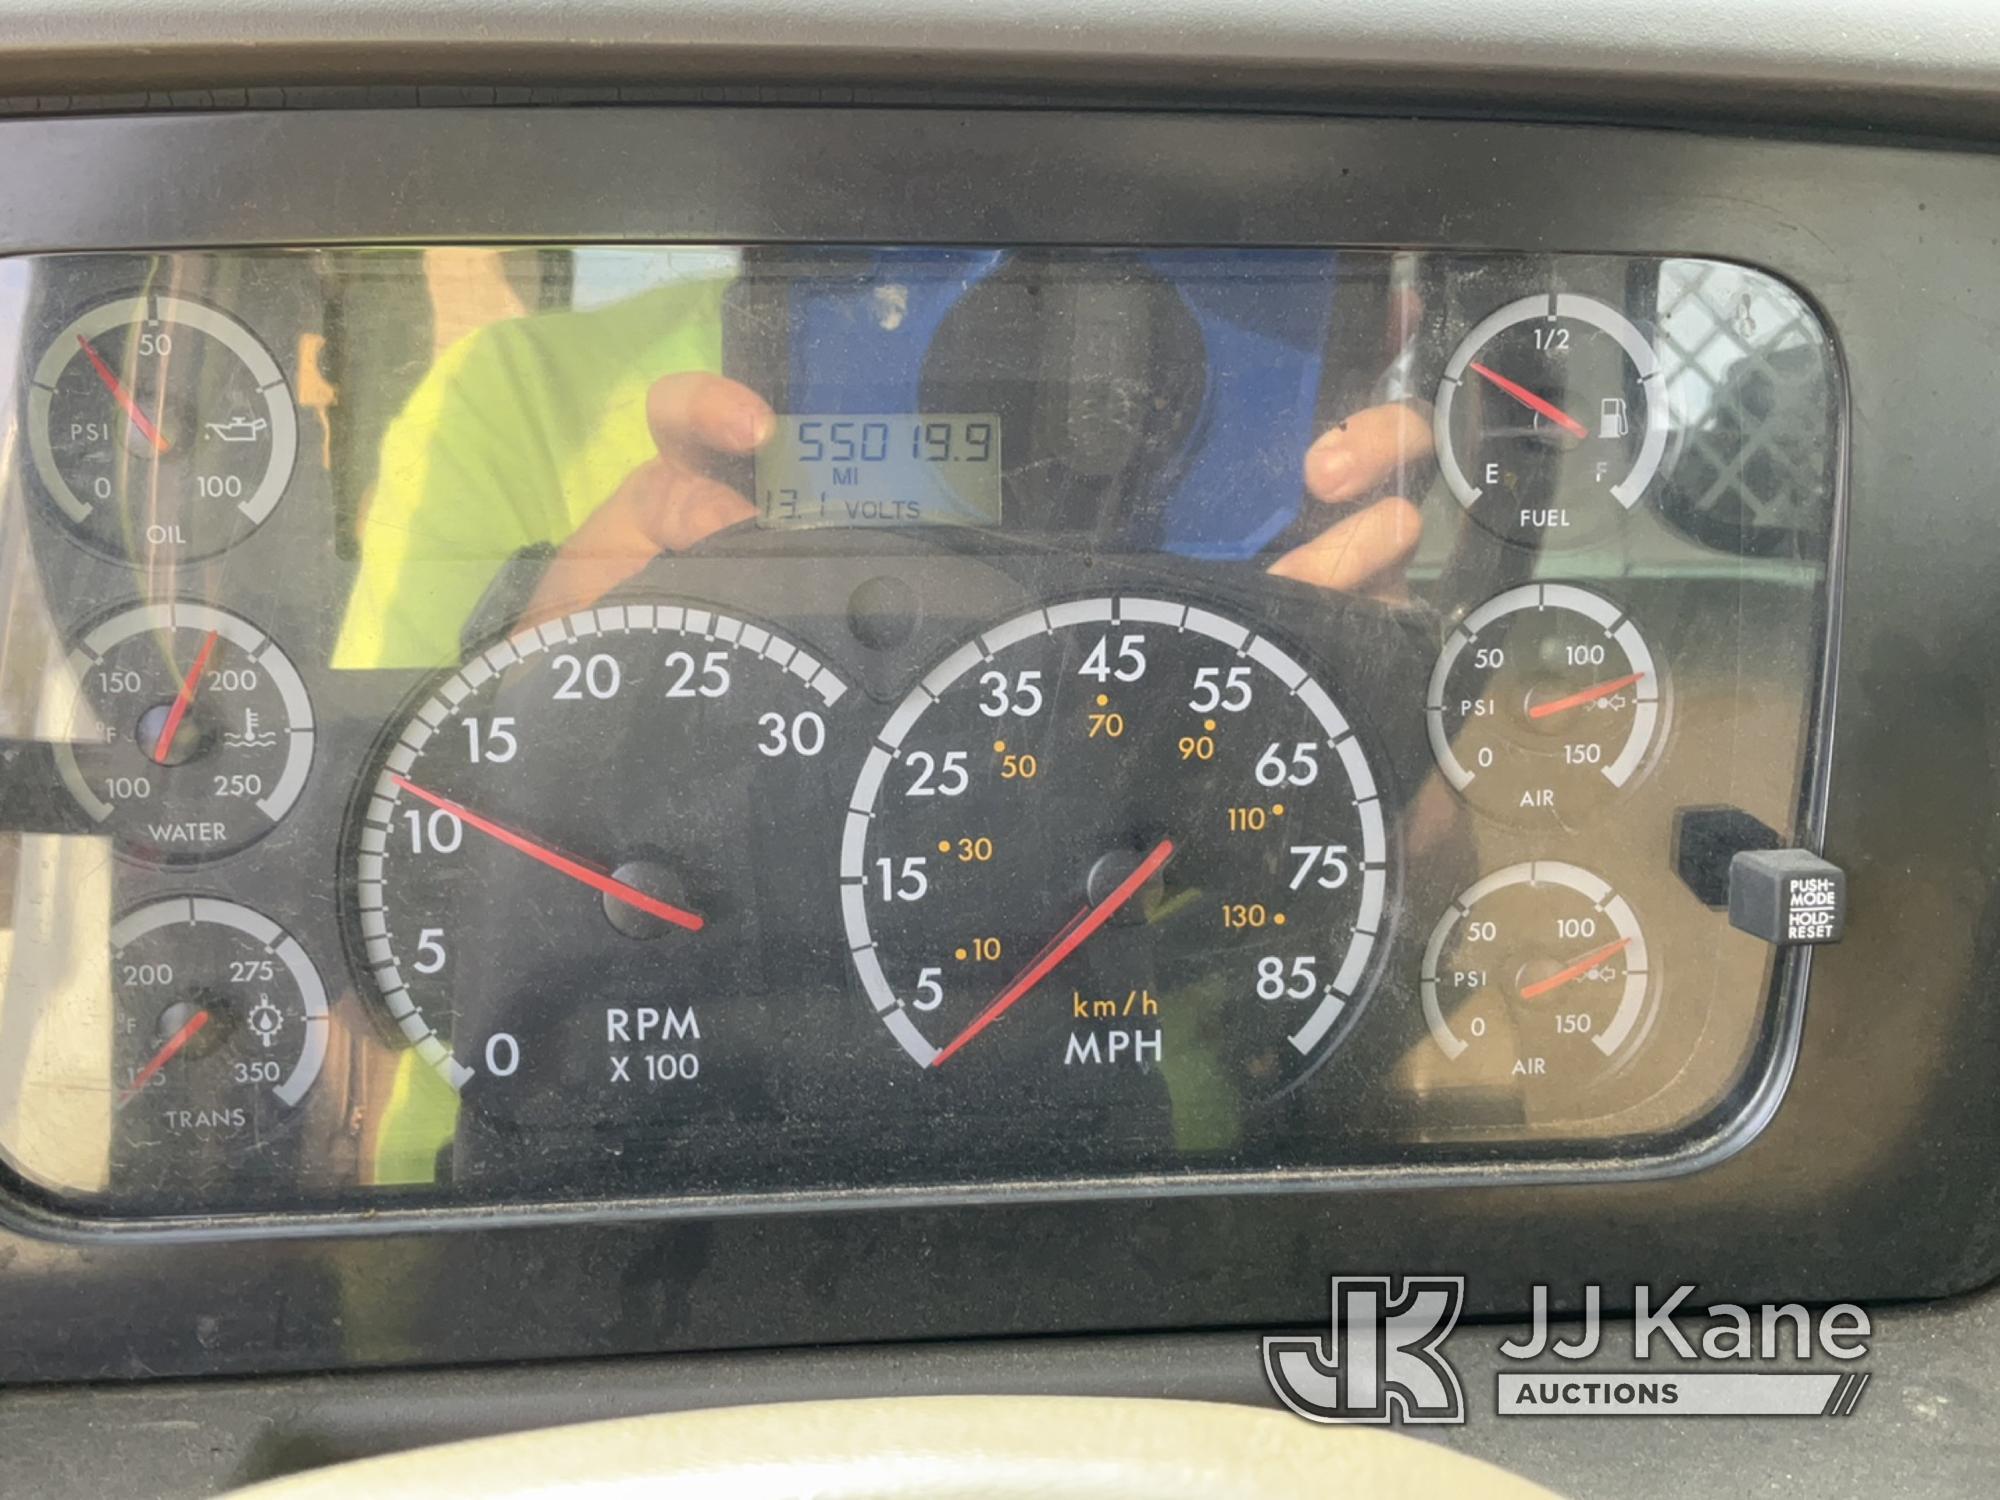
[783, 724]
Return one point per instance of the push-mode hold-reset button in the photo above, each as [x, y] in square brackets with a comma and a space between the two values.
[1787, 896]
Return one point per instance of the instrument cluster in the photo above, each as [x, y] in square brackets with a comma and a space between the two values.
[677, 725]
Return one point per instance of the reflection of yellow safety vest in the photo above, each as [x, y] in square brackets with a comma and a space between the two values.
[516, 435]
[513, 438]
[414, 1124]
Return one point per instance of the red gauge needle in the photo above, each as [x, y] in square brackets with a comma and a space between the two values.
[168, 1051]
[190, 685]
[1072, 937]
[562, 863]
[1575, 971]
[1533, 402]
[123, 397]
[1587, 695]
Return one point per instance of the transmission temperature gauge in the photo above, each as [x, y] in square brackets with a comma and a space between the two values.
[222, 1028]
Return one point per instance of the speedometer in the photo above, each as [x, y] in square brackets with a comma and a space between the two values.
[1117, 839]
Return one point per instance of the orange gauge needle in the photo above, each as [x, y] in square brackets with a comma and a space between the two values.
[1533, 402]
[190, 685]
[1575, 971]
[1072, 937]
[168, 1051]
[123, 397]
[556, 860]
[1587, 695]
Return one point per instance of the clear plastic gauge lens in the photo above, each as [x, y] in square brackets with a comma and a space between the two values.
[161, 428]
[189, 731]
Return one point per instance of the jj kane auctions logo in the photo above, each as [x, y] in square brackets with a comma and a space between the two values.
[1383, 1360]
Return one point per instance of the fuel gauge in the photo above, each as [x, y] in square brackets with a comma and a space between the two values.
[1551, 419]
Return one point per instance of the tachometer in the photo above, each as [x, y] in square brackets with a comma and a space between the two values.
[566, 866]
[1116, 838]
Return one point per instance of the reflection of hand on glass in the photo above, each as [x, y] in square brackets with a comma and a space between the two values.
[1373, 453]
[594, 438]
[671, 502]
[668, 503]
[1365, 552]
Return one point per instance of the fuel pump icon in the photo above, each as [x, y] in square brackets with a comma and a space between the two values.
[1612, 420]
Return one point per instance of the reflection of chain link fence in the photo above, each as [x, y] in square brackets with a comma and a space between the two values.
[1748, 372]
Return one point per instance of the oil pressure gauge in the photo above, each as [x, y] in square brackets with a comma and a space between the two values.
[1546, 703]
[161, 428]
[1551, 419]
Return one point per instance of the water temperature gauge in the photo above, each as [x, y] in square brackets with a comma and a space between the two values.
[188, 733]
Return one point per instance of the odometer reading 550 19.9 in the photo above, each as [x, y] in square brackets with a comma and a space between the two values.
[1120, 838]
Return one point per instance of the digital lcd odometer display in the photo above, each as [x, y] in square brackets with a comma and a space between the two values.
[937, 469]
